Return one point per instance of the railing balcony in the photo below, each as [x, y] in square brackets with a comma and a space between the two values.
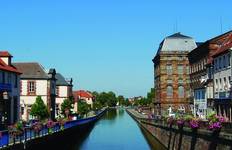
[5, 87]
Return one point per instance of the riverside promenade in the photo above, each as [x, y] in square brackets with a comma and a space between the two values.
[185, 138]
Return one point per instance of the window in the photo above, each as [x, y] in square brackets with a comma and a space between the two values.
[220, 62]
[225, 84]
[180, 58]
[169, 69]
[31, 87]
[169, 81]
[180, 81]
[215, 64]
[22, 110]
[228, 59]
[169, 91]
[180, 69]
[57, 91]
[216, 85]
[224, 61]
[181, 92]
[220, 83]
[187, 69]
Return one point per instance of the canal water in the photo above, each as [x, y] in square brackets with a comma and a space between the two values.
[116, 130]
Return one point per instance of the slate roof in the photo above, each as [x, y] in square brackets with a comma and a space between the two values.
[177, 42]
[61, 80]
[31, 70]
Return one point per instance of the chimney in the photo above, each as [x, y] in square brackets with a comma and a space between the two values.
[6, 57]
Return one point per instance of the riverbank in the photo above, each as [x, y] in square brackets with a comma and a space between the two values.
[173, 137]
[31, 140]
[138, 117]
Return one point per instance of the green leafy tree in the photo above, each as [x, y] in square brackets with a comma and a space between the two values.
[83, 107]
[96, 105]
[103, 98]
[127, 102]
[39, 109]
[121, 100]
[66, 107]
[111, 99]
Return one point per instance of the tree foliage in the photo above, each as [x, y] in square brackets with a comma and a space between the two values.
[39, 109]
[121, 100]
[83, 107]
[66, 107]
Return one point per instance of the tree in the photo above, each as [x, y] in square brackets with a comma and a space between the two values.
[111, 99]
[39, 109]
[150, 96]
[121, 100]
[83, 107]
[96, 105]
[66, 107]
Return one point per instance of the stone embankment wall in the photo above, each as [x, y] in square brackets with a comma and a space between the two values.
[184, 139]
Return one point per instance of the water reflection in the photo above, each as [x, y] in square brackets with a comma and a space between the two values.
[116, 130]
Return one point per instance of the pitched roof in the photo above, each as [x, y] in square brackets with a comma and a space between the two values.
[61, 80]
[31, 70]
[5, 54]
[177, 42]
[81, 93]
[10, 68]
[225, 46]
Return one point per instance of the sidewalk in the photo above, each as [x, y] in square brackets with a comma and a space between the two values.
[137, 114]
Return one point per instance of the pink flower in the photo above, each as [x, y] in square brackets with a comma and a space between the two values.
[194, 124]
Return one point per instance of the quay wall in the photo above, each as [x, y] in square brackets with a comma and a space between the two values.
[175, 138]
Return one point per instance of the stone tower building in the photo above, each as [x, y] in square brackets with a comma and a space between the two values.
[171, 74]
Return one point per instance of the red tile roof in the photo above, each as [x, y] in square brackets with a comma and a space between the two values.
[5, 54]
[82, 94]
[227, 44]
[4, 66]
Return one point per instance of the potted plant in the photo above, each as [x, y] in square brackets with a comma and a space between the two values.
[50, 125]
[16, 129]
[37, 126]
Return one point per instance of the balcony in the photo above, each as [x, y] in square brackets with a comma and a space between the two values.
[5, 87]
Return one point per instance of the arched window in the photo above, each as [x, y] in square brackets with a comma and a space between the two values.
[181, 92]
[169, 91]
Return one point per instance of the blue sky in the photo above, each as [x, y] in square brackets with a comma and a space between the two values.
[105, 44]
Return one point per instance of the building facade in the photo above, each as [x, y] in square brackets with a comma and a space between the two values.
[201, 75]
[63, 91]
[171, 74]
[222, 78]
[35, 81]
[83, 95]
[9, 90]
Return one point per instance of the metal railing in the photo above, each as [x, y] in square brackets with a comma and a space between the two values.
[28, 133]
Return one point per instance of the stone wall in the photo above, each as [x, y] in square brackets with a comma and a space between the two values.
[185, 139]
